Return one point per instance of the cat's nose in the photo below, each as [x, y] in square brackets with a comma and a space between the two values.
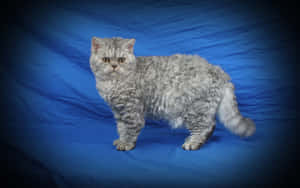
[114, 66]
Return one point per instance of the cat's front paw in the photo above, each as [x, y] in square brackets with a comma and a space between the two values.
[123, 146]
[188, 145]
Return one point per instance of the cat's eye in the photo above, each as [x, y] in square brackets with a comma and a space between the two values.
[121, 59]
[106, 59]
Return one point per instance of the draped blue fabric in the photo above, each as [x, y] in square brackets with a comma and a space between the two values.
[57, 119]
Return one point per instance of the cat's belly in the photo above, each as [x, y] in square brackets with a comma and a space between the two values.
[170, 106]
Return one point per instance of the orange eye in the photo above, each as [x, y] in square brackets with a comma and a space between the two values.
[121, 59]
[106, 59]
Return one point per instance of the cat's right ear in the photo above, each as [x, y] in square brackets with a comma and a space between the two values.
[96, 44]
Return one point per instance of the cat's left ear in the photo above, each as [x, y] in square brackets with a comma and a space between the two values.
[129, 45]
[96, 44]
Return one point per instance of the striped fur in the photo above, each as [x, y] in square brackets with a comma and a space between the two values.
[184, 89]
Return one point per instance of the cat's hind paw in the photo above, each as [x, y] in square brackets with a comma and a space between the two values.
[123, 146]
[191, 145]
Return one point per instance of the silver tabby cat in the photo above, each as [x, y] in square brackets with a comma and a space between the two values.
[185, 90]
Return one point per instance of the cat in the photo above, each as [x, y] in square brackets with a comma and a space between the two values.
[185, 90]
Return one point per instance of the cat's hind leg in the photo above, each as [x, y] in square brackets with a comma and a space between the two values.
[199, 133]
[200, 121]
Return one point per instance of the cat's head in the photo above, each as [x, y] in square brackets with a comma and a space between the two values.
[112, 57]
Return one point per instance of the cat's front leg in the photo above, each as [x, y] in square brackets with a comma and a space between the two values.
[129, 126]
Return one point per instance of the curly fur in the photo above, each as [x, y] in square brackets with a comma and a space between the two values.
[184, 89]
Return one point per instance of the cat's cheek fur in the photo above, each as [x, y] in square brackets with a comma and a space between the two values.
[107, 69]
[121, 70]
[93, 67]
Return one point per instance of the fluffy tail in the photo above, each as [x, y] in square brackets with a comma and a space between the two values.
[230, 115]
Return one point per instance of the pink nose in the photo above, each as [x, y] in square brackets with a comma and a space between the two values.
[114, 66]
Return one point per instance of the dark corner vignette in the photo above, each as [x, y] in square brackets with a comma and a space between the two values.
[18, 169]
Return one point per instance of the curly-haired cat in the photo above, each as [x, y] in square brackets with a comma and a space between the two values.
[184, 89]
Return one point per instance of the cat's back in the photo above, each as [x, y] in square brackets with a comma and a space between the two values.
[179, 68]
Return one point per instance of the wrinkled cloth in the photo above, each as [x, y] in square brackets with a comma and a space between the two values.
[56, 118]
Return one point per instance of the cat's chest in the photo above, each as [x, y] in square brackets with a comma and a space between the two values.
[114, 90]
[107, 88]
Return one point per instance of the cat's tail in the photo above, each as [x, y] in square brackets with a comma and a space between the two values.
[230, 115]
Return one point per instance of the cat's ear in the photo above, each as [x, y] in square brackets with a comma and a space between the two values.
[129, 45]
[96, 44]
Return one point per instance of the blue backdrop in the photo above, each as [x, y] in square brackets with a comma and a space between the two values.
[57, 127]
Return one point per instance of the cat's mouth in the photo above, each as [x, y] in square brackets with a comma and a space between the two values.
[114, 72]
